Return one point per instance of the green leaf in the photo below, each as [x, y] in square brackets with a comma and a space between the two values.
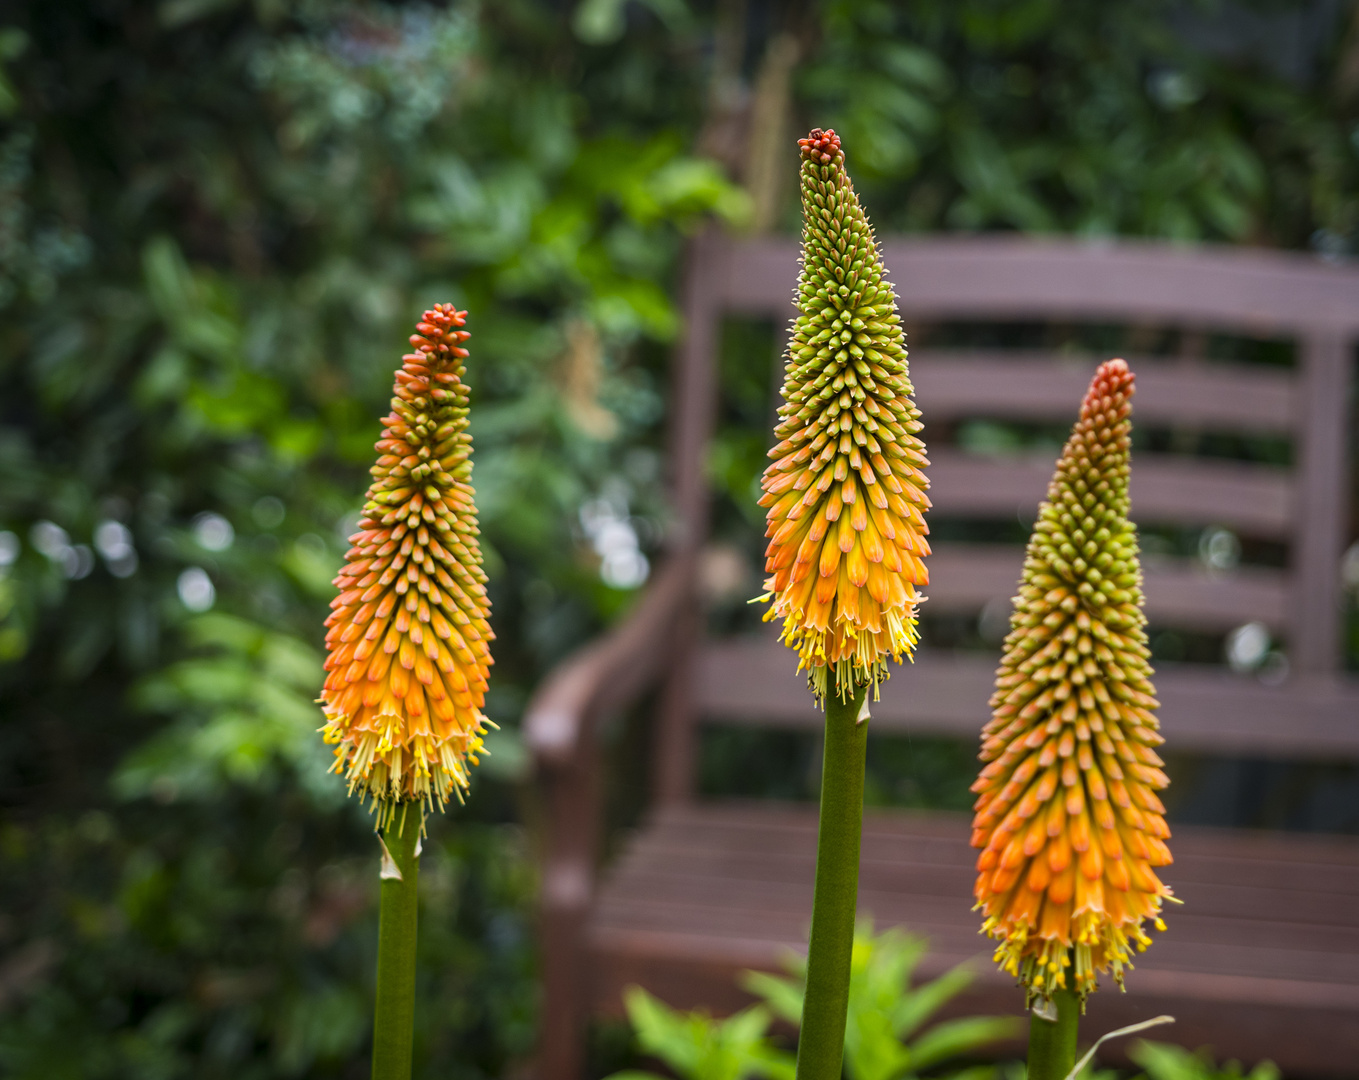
[176, 13]
[13, 44]
[884, 1009]
[928, 999]
[1163, 1061]
[782, 995]
[917, 65]
[697, 1047]
[598, 22]
[958, 1038]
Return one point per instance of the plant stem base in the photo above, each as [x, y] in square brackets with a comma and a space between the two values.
[394, 1018]
[821, 1043]
[1052, 1044]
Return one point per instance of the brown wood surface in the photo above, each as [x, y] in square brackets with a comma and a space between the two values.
[1164, 489]
[1269, 924]
[610, 672]
[675, 745]
[1322, 505]
[964, 578]
[1204, 709]
[1014, 277]
[693, 402]
[560, 729]
[1038, 386]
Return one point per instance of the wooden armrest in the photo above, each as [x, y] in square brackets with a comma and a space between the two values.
[610, 672]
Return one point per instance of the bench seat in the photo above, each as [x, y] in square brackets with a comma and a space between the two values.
[1261, 961]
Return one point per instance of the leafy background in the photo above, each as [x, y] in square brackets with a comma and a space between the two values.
[218, 221]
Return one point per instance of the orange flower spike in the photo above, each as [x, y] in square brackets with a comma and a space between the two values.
[845, 490]
[1067, 794]
[408, 637]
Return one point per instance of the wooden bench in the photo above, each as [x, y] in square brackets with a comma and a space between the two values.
[1263, 959]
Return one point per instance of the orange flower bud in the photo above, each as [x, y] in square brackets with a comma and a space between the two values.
[1070, 768]
[845, 491]
[408, 637]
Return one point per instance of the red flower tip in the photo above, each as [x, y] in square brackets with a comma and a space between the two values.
[821, 146]
[440, 331]
[1111, 388]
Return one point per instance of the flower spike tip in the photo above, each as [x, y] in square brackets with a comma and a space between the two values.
[1067, 817]
[846, 493]
[408, 637]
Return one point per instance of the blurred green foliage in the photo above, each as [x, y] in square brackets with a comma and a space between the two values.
[890, 1033]
[1182, 120]
[1162, 1061]
[219, 220]
[218, 223]
[698, 1047]
[884, 1039]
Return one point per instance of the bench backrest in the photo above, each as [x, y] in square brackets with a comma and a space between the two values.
[1239, 292]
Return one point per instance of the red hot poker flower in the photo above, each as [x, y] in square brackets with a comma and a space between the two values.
[1068, 820]
[845, 495]
[408, 638]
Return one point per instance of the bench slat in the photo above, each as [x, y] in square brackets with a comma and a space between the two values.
[1024, 385]
[1296, 917]
[1252, 499]
[933, 837]
[1327, 888]
[964, 578]
[1313, 893]
[1267, 292]
[754, 681]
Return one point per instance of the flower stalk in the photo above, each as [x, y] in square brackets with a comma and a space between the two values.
[845, 498]
[821, 1041]
[408, 642]
[394, 1014]
[1052, 1039]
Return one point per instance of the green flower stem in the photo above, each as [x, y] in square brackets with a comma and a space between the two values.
[1052, 1044]
[821, 1044]
[394, 1020]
